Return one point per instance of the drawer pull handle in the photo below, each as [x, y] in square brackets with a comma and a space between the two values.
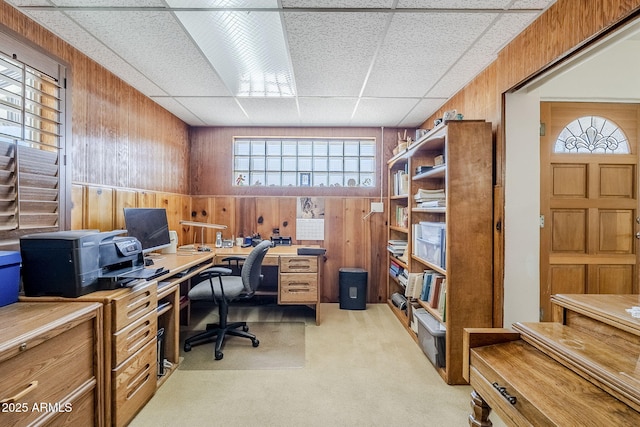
[505, 394]
[32, 386]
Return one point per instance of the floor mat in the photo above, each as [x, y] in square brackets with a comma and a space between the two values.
[282, 346]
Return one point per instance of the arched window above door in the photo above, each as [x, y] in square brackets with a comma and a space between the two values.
[592, 135]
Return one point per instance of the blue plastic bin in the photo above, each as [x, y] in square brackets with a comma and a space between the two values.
[9, 277]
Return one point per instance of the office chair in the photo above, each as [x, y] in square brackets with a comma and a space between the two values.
[224, 290]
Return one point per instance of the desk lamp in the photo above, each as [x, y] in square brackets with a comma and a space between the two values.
[203, 225]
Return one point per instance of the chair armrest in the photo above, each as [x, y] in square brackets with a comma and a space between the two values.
[234, 258]
[216, 271]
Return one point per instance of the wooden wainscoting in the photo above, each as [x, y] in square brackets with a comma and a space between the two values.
[350, 240]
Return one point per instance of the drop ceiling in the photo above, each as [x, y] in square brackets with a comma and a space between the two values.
[376, 63]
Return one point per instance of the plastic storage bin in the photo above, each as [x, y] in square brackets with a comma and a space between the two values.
[9, 277]
[430, 243]
[431, 335]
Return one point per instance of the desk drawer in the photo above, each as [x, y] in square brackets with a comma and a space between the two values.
[48, 373]
[298, 264]
[134, 305]
[298, 288]
[133, 337]
[133, 383]
[81, 411]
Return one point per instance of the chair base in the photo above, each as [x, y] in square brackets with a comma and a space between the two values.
[219, 333]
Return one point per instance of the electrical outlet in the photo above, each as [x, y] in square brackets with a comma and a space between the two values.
[377, 207]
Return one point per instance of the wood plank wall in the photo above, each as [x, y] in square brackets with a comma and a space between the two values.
[565, 28]
[350, 240]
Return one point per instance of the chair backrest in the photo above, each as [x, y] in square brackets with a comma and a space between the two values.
[252, 267]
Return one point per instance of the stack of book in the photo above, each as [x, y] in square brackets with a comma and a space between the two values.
[397, 247]
[395, 270]
[430, 198]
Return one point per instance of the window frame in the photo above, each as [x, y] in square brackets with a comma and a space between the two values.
[17, 48]
[261, 155]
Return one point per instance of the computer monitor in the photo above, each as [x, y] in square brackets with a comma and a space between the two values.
[149, 226]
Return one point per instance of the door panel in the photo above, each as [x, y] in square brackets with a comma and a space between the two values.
[589, 202]
[614, 279]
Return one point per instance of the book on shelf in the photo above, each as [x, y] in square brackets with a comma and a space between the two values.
[425, 195]
[395, 269]
[434, 291]
[414, 286]
[427, 279]
[442, 298]
[402, 216]
[401, 183]
[397, 247]
[431, 204]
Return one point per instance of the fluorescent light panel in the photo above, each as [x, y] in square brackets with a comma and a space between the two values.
[247, 48]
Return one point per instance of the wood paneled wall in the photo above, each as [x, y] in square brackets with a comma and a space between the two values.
[119, 138]
[350, 240]
[212, 151]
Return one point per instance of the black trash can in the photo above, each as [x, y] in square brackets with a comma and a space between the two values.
[353, 288]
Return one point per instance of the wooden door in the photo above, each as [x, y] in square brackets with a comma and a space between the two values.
[589, 200]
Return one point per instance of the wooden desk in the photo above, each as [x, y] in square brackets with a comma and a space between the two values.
[131, 318]
[299, 276]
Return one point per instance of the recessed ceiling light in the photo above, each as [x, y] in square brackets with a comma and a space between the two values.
[247, 48]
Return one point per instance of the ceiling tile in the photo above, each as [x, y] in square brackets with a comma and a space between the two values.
[454, 4]
[381, 111]
[179, 110]
[423, 109]
[70, 31]
[223, 111]
[326, 111]
[275, 111]
[338, 3]
[482, 53]
[419, 48]
[326, 60]
[160, 50]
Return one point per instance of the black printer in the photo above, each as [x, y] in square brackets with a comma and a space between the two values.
[75, 263]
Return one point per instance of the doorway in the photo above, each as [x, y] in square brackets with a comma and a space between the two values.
[588, 199]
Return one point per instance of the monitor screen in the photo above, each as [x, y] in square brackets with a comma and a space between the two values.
[149, 226]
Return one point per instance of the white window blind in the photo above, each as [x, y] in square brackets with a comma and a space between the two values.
[30, 148]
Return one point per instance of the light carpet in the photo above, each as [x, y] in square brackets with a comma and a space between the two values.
[282, 346]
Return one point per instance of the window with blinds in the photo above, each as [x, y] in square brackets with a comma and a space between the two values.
[30, 148]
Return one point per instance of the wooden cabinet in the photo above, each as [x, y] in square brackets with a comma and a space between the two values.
[444, 182]
[298, 280]
[132, 318]
[581, 369]
[50, 364]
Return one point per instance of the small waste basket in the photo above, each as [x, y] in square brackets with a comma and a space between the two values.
[353, 288]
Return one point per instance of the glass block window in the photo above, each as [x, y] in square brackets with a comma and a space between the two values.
[592, 135]
[304, 162]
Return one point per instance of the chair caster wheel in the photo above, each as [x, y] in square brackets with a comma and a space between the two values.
[255, 343]
[245, 328]
[218, 355]
[187, 347]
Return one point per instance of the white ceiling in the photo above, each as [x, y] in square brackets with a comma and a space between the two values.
[376, 63]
